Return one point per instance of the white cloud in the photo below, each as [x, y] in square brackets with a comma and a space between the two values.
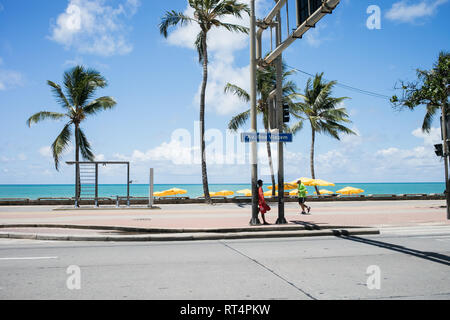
[403, 11]
[418, 161]
[388, 152]
[9, 79]
[91, 26]
[46, 151]
[313, 36]
[352, 140]
[431, 138]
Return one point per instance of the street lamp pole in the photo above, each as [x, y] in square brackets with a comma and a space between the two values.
[445, 149]
[254, 156]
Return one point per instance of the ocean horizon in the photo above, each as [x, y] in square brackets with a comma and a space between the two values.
[34, 191]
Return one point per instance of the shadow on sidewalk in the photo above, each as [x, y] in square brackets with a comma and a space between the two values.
[307, 225]
[431, 256]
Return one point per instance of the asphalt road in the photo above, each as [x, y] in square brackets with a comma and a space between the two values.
[401, 263]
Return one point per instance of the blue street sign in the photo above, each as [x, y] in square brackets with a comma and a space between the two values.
[266, 137]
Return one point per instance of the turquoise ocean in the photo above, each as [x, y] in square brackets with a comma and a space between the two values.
[195, 190]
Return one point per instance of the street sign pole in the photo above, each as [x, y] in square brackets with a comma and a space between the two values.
[445, 150]
[150, 189]
[279, 106]
[254, 161]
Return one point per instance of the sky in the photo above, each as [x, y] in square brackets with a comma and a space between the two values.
[156, 83]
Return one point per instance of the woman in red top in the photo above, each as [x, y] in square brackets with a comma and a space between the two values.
[263, 207]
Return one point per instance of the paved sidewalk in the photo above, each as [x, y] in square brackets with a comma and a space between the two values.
[324, 215]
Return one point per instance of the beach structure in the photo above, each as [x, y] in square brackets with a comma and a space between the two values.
[86, 180]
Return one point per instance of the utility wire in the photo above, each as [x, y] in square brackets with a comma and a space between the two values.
[344, 86]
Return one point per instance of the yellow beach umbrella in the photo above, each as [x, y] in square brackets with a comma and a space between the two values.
[246, 192]
[324, 191]
[222, 193]
[287, 186]
[294, 192]
[304, 180]
[160, 194]
[320, 182]
[350, 190]
[269, 193]
[173, 192]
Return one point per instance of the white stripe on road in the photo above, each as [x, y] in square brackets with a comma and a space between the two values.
[28, 258]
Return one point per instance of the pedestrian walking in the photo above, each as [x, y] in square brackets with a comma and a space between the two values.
[263, 207]
[302, 197]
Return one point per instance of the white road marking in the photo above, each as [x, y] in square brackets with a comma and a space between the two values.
[28, 258]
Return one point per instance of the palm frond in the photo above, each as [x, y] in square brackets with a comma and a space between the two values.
[296, 127]
[60, 144]
[173, 18]
[428, 119]
[199, 45]
[229, 7]
[80, 84]
[43, 115]
[233, 27]
[85, 146]
[59, 95]
[239, 120]
[238, 91]
[102, 103]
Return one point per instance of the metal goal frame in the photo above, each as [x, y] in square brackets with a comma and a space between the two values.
[91, 174]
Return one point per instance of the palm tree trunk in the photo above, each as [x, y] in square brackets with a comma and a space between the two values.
[202, 121]
[269, 156]
[313, 175]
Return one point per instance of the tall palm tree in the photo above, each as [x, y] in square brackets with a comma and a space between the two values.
[265, 84]
[207, 14]
[80, 85]
[323, 113]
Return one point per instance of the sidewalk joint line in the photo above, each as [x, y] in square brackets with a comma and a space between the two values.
[270, 270]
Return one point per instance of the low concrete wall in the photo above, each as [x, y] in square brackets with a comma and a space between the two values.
[143, 201]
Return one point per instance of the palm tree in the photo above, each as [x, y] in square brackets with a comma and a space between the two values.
[323, 113]
[79, 87]
[207, 14]
[265, 84]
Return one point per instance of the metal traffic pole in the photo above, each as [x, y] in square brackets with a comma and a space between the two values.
[445, 151]
[254, 156]
[279, 106]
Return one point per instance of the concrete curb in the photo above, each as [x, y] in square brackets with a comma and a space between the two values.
[292, 227]
[195, 236]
